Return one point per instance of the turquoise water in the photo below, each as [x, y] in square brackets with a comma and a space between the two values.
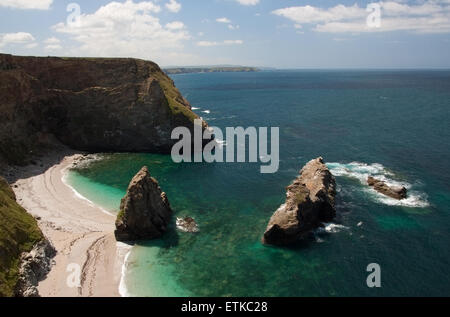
[393, 124]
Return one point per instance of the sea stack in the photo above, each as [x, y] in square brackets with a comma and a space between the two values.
[144, 211]
[309, 202]
[396, 192]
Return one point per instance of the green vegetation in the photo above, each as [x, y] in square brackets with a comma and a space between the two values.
[226, 69]
[120, 214]
[18, 233]
[301, 196]
[174, 97]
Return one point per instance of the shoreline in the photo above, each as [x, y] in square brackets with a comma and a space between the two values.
[81, 232]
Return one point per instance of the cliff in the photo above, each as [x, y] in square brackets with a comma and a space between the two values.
[309, 202]
[91, 104]
[24, 252]
[144, 211]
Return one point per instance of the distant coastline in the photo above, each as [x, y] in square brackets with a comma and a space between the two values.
[212, 69]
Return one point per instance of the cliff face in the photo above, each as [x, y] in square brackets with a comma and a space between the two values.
[98, 104]
[309, 201]
[24, 252]
[144, 211]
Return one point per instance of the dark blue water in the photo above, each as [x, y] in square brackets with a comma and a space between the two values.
[392, 124]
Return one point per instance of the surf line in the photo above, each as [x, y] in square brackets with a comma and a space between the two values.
[214, 152]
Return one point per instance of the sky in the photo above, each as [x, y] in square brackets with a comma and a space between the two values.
[263, 33]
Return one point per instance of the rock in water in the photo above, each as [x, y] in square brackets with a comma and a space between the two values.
[396, 192]
[144, 211]
[187, 224]
[309, 202]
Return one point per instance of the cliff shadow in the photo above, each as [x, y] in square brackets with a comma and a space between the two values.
[38, 164]
[169, 240]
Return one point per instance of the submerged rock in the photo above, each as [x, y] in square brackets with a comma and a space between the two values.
[396, 192]
[187, 224]
[309, 202]
[144, 211]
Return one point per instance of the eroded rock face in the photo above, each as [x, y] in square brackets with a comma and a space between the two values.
[89, 104]
[309, 202]
[144, 211]
[396, 192]
[34, 267]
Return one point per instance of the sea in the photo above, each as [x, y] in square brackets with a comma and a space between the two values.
[391, 124]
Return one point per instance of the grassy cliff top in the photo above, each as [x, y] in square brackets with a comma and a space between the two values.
[18, 233]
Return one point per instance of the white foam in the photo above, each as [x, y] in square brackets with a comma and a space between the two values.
[123, 291]
[334, 227]
[206, 111]
[194, 108]
[362, 171]
[415, 199]
[327, 228]
[65, 173]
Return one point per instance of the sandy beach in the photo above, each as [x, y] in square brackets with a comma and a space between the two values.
[81, 232]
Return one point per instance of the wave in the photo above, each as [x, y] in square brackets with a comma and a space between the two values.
[415, 199]
[123, 291]
[361, 171]
[327, 228]
[65, 174]
[194, 108]
[121, 247]
[206, 111]
[331, 228]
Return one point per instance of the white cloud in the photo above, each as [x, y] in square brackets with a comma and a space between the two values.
[233, 27]
[27, 4]
[52, 40]
[223, 20]
[53, 47]
[125, 29]
[16, 38]
[207, 43]
[248, 2]
[310, 14]
[173, 6]
[429, 16]
[176, 25]
[233, 42]
[226, 42]
[228, 21]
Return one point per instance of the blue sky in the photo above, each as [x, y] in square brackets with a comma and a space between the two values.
[272, 33]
